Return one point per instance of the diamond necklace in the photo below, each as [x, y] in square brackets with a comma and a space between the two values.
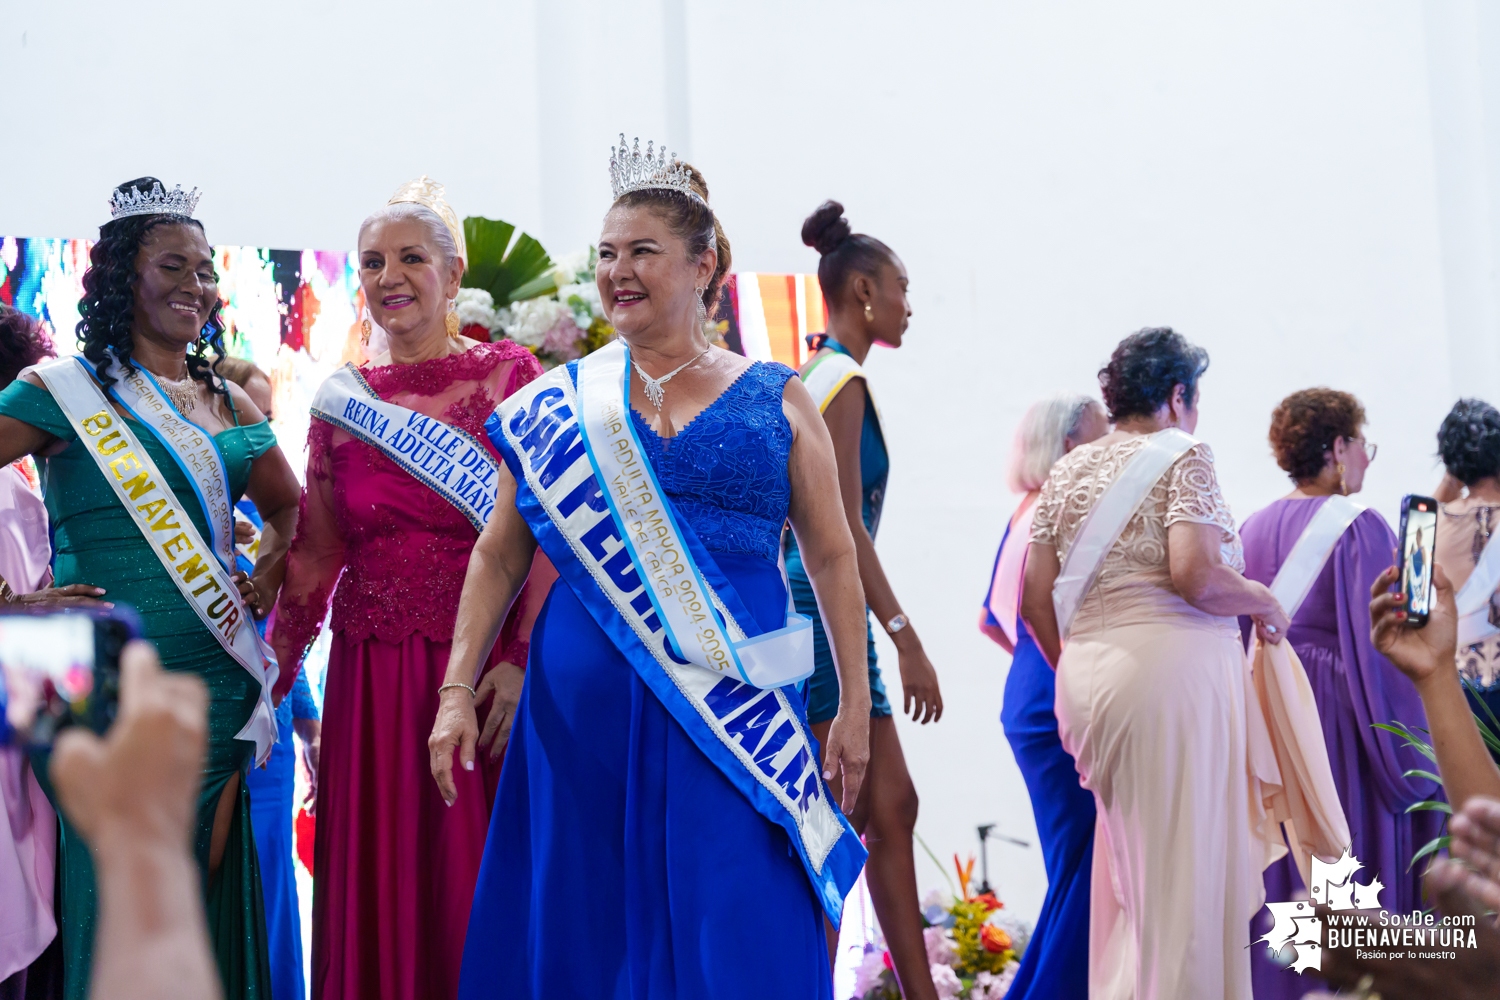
[654, 391]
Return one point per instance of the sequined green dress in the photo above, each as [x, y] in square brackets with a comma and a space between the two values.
[96, 543]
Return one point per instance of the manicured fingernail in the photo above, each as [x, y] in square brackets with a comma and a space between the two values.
[827, 775]
[468, 765]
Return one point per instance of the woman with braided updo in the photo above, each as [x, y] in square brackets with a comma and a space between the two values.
[151, 306]
[1319, 440]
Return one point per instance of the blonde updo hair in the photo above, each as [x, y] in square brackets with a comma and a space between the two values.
[691, 221]
[437, 229]
[1041, 439]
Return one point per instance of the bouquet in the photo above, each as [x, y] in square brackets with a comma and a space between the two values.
[973, 947]
[513, 290]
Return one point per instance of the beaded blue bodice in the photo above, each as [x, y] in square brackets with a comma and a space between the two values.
[726, 471]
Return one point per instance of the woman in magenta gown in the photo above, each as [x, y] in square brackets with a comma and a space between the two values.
[1318, 437]
[393, 867]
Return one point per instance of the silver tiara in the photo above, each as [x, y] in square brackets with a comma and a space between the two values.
[630, 170]
[153, 202]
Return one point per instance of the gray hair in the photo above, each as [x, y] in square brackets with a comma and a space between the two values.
[437, 230]
[1041, 439]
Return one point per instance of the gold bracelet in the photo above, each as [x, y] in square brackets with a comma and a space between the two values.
[458, 684]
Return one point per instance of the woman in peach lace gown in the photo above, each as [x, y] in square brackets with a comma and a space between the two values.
[394, 867]
[1151, 693]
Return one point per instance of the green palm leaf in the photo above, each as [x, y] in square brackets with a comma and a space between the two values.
[500, 259]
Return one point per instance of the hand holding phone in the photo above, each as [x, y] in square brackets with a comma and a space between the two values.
[60, 669]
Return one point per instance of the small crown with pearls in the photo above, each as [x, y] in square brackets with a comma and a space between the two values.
[153, 202]
[630, 170]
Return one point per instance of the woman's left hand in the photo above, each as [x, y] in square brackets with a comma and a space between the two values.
[502, 683]
[1272, 627]
[922, 699]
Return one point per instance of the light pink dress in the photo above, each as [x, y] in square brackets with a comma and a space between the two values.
[1152, 703]
[28, 837]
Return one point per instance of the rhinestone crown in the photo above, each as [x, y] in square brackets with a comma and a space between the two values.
[630, 170]
[153, 202]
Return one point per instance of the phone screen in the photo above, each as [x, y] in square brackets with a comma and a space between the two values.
[49, 676]
[1418, 540]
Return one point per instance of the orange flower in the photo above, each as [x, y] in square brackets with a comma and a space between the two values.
[989, 901]
[994, 939]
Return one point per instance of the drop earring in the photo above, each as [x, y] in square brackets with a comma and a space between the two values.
[1343, 486]
[701, 310]
[364, 332]
[869, 313]
[451, 322]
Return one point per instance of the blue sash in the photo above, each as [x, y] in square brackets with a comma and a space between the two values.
[757, 737]
[439, 456]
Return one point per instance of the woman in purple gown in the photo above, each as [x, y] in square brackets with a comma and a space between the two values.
[1318, 438]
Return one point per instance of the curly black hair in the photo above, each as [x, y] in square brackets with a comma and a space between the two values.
[1146, 367]
[1469, 441]
[23, 343]
[108, 304]
[1305, 425]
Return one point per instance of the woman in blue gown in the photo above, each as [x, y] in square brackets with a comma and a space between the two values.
[1055, 965]
[623, 861]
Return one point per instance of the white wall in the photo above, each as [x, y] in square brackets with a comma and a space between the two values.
[1306, 188]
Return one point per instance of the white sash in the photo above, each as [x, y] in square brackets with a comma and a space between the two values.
[1473, 598]
[440, 456]
[1310, 553]
[683, 601]
[829, 374]
[1112, 511]
[201, 571]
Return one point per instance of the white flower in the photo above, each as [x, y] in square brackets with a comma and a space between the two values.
[940, 950]
[567, 268]
[946, 982]
[588, 294]
[527, 323]
[988, 986]
[475, 305]
[867, 977]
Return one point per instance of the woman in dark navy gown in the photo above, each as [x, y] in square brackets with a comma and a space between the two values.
[1055, 965]
[622, 862]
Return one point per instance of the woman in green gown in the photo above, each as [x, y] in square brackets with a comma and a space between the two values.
[151, 301]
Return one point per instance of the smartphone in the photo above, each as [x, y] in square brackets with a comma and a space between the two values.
[60, 669]
[1418, 542]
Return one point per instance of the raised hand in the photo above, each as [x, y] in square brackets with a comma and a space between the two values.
[1416, 652]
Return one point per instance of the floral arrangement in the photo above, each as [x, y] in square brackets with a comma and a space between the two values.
[973, 947]
[556, 315]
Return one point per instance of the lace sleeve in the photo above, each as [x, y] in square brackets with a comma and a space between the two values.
[1044, 521]
[313, 562]
[1193, 491]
